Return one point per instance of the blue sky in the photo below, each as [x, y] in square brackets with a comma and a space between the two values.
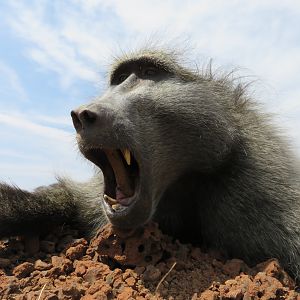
[54, 56]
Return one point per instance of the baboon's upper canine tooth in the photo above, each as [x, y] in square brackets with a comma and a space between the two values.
[110, 200]
[127, 155]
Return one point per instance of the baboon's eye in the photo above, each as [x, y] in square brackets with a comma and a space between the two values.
[122, 77]
[149, 71]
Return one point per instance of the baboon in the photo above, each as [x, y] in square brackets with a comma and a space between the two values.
[186, 149]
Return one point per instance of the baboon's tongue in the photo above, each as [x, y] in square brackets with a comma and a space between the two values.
[123, 189]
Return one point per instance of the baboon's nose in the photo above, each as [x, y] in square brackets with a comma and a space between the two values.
[83, 118]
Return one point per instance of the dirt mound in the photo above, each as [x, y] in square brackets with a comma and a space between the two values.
[139, 265]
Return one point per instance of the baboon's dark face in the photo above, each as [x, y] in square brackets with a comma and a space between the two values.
[144, 135]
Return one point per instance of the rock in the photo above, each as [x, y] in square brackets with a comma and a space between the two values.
[32, 244]
[23, 270]
[94, 271]
[41, 265]
[151, 273]
[47, 246]
[76, 251]
[233, 267]
[4, 262]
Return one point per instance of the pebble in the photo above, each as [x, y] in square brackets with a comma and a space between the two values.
[23, 270]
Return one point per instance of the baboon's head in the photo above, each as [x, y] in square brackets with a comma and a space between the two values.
[154, 123]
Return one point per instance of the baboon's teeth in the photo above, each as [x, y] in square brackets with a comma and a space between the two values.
[127, 155]
[116, 206]
[111, 201]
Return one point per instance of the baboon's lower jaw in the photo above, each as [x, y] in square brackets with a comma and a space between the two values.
[117, 204]
[114, 207]
[121, 177]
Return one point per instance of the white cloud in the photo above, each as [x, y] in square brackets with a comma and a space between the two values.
[48, 48]
[32, 154]
[10, 84]
[253, 34]
[56, 121]
[19, 121]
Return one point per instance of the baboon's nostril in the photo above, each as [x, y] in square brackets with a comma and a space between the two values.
[87, 116]
[76, 122]
[83, 118]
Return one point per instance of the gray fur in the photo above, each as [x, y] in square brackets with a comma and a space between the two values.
[213, 168]
[29, 213]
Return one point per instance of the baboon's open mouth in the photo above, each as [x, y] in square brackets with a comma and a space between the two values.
[121, 176]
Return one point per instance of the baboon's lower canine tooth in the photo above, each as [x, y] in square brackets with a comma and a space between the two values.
[115, 206]
[110, 200]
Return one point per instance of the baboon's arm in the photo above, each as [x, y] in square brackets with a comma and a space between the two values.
[22, 212]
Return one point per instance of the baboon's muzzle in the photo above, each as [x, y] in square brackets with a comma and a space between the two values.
[118, 165]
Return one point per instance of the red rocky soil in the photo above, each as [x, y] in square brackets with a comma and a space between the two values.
[143, 265]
